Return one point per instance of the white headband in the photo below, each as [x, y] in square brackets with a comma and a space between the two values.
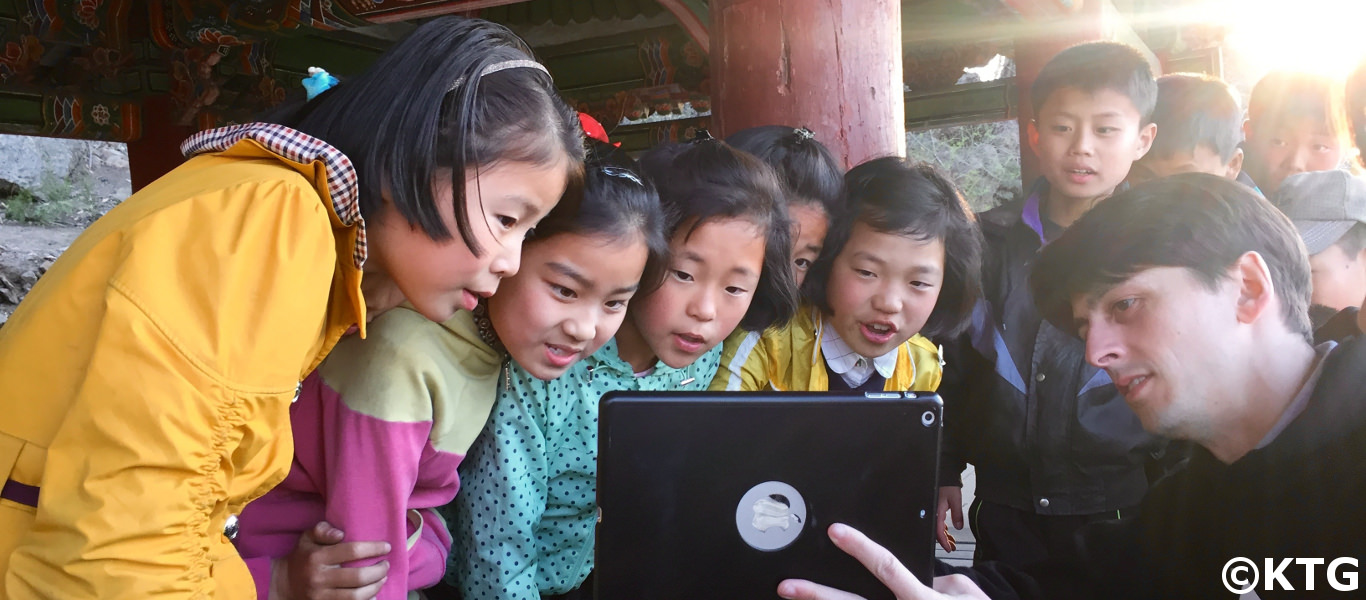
[503, 66]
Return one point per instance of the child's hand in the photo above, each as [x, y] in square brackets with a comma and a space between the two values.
[314, 570]
[950, 501]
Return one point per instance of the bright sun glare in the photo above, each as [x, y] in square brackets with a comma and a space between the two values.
[1319, 36]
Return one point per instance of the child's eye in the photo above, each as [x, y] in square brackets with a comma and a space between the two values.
[736, 291]
[563, 292]
[1061, 128]
[507, 222]
[1322, 148]
[864, 273]
[682, 275]
[616, 305]
[1106, 130]
[802, 264]
[921, 285]
[1279, 143]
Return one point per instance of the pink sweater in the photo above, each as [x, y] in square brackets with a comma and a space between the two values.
[379, 430]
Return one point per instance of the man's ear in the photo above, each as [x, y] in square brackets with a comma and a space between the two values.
[1146, 135]
[1255, 290]
[1032, 134]
[1235, 164]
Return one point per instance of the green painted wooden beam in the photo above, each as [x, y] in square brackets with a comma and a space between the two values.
[962, 105]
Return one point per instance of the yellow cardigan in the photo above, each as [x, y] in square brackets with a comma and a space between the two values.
[789, 358]
[145, 382]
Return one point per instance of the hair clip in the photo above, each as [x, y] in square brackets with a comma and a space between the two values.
[503, 66]
[622, 173]
[803, 134]
[701, 135]
[318, 81]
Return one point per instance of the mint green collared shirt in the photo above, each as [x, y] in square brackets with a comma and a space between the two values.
[523, 521]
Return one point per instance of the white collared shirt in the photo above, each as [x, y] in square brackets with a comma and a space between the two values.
[853, 368]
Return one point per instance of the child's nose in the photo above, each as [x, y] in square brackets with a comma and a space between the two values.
[887, 302]
[580, 328]
[1083, 143]
[703, 307]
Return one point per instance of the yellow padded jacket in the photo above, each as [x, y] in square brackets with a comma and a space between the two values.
[145, 382]
[789, 359]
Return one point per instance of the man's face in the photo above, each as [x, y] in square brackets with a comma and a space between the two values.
[1164, 337]
[1339, 279]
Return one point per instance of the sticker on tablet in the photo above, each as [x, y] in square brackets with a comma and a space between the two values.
[770, 516]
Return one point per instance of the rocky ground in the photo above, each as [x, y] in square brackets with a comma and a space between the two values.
[26, 252]
[74, 182]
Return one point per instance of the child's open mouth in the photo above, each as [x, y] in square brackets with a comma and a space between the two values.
[1080, 176]
[878, 332]
[560, 356]
[689, 342]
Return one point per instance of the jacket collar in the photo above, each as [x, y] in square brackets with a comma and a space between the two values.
[606, 361]
[340, 174]
[842, 359]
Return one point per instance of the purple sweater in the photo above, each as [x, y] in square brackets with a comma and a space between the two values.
[379, 429]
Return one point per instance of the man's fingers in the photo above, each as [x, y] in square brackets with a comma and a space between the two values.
[959, 587]
[801, 589]
[881, 562]
[355, 577]
[343, 553]
[957, 510]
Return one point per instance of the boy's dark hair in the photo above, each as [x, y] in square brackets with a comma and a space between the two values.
[1194, 109]
[1284, 95]
[401, 123]
[619, 202]
[1356, 109]
[805, 167]
[707, 180]
[1198, 221]
[1095, 66]
[898, 196]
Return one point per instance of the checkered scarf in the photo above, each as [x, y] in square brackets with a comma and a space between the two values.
[300, 148]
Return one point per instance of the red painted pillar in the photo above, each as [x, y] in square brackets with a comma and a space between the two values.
[1048, 36]
[158, 150]
[834, 67]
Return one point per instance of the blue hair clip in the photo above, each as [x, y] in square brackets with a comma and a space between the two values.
[318, 81]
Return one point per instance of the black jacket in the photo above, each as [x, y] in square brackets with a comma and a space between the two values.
[1045, 430]
[1299, 497]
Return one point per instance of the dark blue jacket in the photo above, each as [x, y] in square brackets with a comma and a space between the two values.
[1045, 430]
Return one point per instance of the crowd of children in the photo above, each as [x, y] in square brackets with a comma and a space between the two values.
[357, 348]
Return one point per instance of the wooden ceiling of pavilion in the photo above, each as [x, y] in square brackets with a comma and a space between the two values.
[82, 68]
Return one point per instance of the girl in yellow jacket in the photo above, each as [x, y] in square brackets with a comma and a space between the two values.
[146, 380]
[900, 263]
